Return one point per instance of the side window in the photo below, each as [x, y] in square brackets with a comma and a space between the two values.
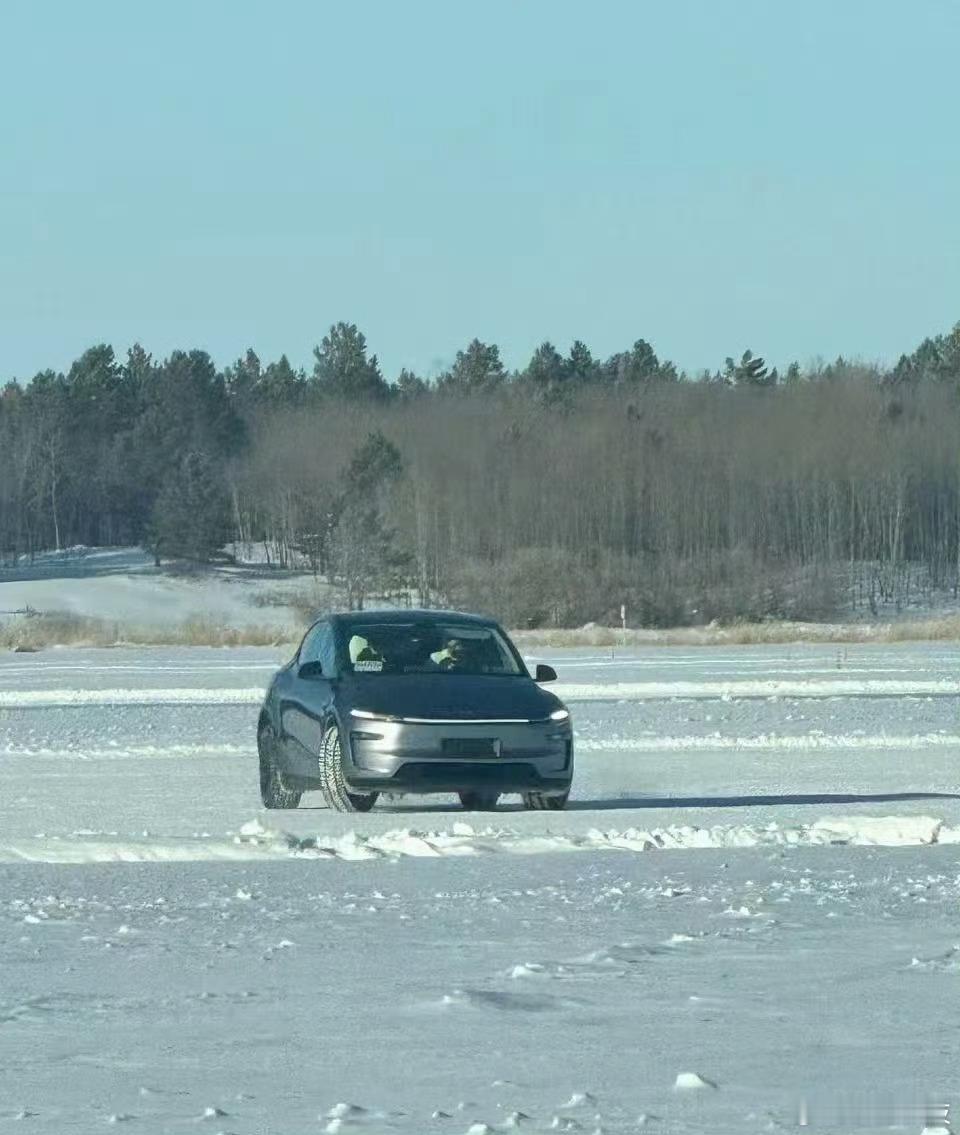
[308, 648]
[318, 646]
[328, 651]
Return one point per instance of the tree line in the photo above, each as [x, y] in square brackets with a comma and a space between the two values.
[548, 496]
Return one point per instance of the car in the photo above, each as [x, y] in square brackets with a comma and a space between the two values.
[406, 701]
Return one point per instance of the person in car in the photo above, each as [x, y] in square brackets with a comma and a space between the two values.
[453, 656]
[363, 651]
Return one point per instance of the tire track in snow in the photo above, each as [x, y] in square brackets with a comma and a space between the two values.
[52, 699]
[121, 752]
[771, 742]
[648, 744]
[760, 688]
[571, 691]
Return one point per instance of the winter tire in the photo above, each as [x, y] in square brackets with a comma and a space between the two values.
[479, 800]
[333, 786]
[540, 801]
[273, 792]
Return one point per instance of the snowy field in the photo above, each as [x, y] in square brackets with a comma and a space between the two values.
[121, 586]
[756, 890]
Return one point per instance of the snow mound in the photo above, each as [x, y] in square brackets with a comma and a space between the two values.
[580, 1099]
[944, 963]
[692, 1082]
[879, 831]
[254, 841]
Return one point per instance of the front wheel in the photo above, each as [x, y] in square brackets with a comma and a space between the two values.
[540, 801]
[333, 786]
[273, 791]
[479, 801]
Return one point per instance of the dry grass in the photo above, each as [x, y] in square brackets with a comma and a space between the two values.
[39, 631]
[307, 602]
[945, 628]
[36, 632]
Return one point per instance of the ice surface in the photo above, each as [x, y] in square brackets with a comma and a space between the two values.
[762, 894]
[394, 992]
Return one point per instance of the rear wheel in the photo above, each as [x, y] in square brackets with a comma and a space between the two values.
[273, 791]
[540, 801]
[333, 786]
[479, 800]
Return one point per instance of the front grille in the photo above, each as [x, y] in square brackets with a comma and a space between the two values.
[445, 772]
[470, 747]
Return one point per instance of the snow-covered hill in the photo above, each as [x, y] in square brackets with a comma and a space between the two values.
[122, 588]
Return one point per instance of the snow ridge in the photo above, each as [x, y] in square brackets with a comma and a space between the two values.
[571, 691]
[254, 841]
[768, 741]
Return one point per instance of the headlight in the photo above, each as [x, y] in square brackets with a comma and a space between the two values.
[368, 715]
[560, 715]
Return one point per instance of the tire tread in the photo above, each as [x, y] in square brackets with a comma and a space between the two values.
[273, 792]
[541, 802]
[333, 785]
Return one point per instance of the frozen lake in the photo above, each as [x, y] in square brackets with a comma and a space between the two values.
[757, 882]
[162, 740]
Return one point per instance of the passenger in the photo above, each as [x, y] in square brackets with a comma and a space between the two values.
[362, 650]
[452, 656]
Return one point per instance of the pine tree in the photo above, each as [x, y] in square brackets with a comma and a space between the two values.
[580, 365]
[243, 378]
[366, 556]
[750, 371]
[546, 371]
[478, 368]
[410, 386]
[341, 368]
[191, 517]
[637, 366]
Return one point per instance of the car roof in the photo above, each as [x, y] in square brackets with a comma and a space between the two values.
[402, 615]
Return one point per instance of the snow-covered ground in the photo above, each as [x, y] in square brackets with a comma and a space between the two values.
[748, 919]
[121, 586]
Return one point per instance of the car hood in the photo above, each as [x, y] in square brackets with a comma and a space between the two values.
[447, 696]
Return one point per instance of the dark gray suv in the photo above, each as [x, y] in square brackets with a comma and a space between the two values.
[412, 702]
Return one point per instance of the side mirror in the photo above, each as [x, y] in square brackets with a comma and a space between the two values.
[311, 670]
[545, 673]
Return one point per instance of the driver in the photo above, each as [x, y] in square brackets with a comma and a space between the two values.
[452, 656]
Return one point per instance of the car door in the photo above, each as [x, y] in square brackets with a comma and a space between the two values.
[306, 699]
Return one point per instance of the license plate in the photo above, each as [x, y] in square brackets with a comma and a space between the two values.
[471, 747]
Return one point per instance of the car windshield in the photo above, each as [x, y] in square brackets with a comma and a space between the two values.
[427, 648]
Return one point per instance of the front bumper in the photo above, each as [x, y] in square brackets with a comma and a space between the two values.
[389, 756]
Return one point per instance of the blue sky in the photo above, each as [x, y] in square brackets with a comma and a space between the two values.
[710, 175]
